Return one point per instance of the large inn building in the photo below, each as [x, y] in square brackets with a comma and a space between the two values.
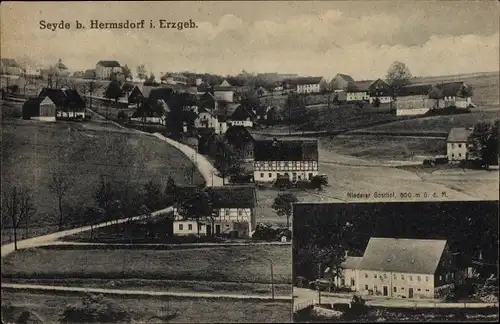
[400, 268]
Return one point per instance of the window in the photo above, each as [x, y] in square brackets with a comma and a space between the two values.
[375, 287]
[262, 175]
[181, 227]
[240, 212]
[366, 275]
[310, 176]
[342, 282]
[402, 288]
[426, 278]
[459, 145]
[459, 154]
[190, 227]
[353, 283]
[374, 275]
[452, 146]
[452, 155]
[411, 278]
[427, 290]
[418, 289]
[385, 276]
[270, 175]
[227, 212]
[402, 277]
[418, 278]
[394, 277]
[366, 287]
[395, 289]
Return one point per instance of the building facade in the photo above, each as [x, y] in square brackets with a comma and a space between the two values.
[308, 84]
[456, 144]
[106, 69]
[340, 82]
[39, 108]
[241, 142]
[402, 268]
[233, 212]
[224, 92]
[295, 159]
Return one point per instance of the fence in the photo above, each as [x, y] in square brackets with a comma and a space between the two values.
[302, 305]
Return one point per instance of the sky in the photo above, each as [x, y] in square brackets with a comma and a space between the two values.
[359, 38]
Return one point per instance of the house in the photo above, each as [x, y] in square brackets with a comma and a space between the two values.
[39, 108]
[307, 84]
[456, 144]
[207, 141]
[139, 93]
[174, 78]
[455, 94]
[349, 278]
[403, 268]
[233, 211]
[296, 159]
[340, 81]
[241, 141]
[414, 100]
[105, 69]
[224, 92]
[242, 117]
[381, 90]
[358, 91]
[208, 119]
[69, 103]
[10, 66]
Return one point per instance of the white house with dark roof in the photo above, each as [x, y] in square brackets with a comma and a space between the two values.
[307, 84]
[105, 69]
[296, 159]
[340, 81]
[224, 92]
[233, 211]
[404, 268]
[456, 144]
[350, 273]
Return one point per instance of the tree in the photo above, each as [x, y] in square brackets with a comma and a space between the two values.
[152, 195]
[92, 87]
[310, 258]
[142, 73]
[282, 205]
[436, 94]
[226, 161]
[318, 181]
[113, 91]
[13, 88]
[127, 74]
[398, 75]
[17, 207]
[59, 186]
[170, 189]
[198, 207]
[295, 108]
[483, 143]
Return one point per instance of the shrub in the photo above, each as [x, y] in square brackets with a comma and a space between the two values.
[95, 309]
[317, 182]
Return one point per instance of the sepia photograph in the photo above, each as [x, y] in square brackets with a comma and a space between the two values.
[153, 152]
[398, 261]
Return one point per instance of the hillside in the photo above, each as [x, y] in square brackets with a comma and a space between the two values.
[32, 151]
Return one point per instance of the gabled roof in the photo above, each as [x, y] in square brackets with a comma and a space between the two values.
[236, 135]
[69, 98]
[285, 150]
[351, 262]
[451, 89]
[157, 93]
[415, 89]
[241, 113]
[109, 64]
[345, 77]
[233, 196]
[305, 80]
[359, 86]
[59, 65]
[458, 135]
[223, 197]
[403, 255]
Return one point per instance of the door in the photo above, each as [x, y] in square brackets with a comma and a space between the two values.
[209, 229]
[217, 229]
[386, 291]
[410, 293]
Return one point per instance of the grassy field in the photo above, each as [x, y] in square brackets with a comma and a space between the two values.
[147, 310]
[437, 123]
[32, 151]
[221, 264]
[384, 147]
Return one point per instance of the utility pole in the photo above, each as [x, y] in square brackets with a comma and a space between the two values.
[317, 286]
[272, 279]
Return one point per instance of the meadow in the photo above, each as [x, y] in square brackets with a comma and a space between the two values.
[49, 308]
[243, 264]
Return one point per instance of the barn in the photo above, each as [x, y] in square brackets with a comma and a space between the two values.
[39, 108]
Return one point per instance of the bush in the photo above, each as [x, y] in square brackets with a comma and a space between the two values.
[95, 309]
[317, 182]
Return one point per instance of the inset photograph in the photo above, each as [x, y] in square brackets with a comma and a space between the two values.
[422, 261]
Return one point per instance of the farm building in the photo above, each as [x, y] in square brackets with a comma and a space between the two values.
[456, 144]
[68, 102]
[39, 108]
